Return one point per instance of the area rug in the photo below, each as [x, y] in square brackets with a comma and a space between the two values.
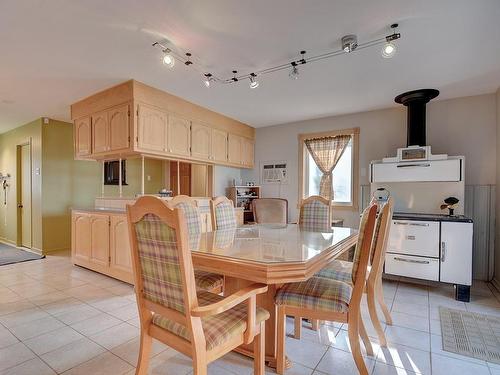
[471, 334]
[11, 254]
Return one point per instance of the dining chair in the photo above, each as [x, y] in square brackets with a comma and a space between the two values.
[209, 281]
[331, 300]
[270, 210]
[222, 212]
[342, 270]
[315, 214]
[199, 324]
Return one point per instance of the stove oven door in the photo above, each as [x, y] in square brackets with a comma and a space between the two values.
[416, 238]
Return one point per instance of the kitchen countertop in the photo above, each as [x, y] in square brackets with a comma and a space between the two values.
[430, 217]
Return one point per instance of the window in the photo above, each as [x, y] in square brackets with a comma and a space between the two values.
[344, 175]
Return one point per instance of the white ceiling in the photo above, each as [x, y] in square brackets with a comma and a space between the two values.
[55, 52]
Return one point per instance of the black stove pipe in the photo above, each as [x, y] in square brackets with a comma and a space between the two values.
[416, 102]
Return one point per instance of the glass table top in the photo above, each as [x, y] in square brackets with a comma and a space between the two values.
[269, 243]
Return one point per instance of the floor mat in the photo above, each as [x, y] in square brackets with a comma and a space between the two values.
[11, 254]
[471, 334]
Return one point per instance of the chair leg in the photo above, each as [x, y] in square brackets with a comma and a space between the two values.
[144, 354]
[297, 327]
[353, 332]
[259, 345]
[379, 294]
[315, 324]
[372, 309]
[365, 338]
[281, 332]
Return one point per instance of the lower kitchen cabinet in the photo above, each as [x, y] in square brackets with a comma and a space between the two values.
[456, 253]
[100, 242]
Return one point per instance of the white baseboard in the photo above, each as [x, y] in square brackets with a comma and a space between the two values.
[7, 242]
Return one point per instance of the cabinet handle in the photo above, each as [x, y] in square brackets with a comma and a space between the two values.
[411, 260]
[443, 251]
[412, 224]
[413, 165]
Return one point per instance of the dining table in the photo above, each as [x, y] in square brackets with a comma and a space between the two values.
[271, 254]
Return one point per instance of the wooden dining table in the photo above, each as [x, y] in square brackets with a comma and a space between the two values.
[272, 254]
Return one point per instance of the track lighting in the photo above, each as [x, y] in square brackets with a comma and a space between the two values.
[294, 74]
[208, 79]
[253, 82]
[168, 58]
[349, 43]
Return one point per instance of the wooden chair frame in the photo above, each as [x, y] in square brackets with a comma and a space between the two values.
[352, 317]
[255, 213]
[213, 204]
[173, 203]
[196, 347]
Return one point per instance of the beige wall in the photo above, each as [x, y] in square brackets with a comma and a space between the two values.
[31, 132]
[496, 271]
[463, 126]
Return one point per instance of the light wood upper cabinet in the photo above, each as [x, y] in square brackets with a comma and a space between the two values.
[119, 244]
[201, 139]
[99, 239]
[152, 129]
[100, 132]
[247, 151]
[179, 136]
[83, 134]
[119, 129]
[80, 237]
[218, 146]
[234, 145]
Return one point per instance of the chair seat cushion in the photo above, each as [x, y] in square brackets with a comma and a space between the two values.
[337, 270]
[218, 328]
[207, 280]
[317, 293]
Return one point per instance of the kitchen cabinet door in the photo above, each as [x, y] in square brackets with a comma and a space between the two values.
[456, 253]
[200, 141]
[218, 150]
[99, 239]
[152, 129]
[83, 134]
[234, 152]
[80, 237]
[119, 244]
[119, 130]
[100, 132]
[247, 152]
[179, 136]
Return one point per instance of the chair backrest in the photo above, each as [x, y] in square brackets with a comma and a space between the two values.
[189, 207]
[315, 214]
[163, 269]
[270, 210]
[380, 238]
[223, 215]
[362, 252]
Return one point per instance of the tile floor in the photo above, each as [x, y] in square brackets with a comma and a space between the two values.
[56, 318]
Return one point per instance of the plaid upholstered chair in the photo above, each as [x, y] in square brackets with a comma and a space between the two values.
[209, 281]
[199, 324]
[315, 214]
[331, 300]
[222, 212]
[342, 270]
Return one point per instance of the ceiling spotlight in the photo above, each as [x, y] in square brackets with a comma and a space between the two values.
[168, 58]
[253, 83]
[207, 81]
[294, 74]
[349, 43]
[388, 50]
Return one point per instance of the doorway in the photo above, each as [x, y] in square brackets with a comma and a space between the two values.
[24, 173]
